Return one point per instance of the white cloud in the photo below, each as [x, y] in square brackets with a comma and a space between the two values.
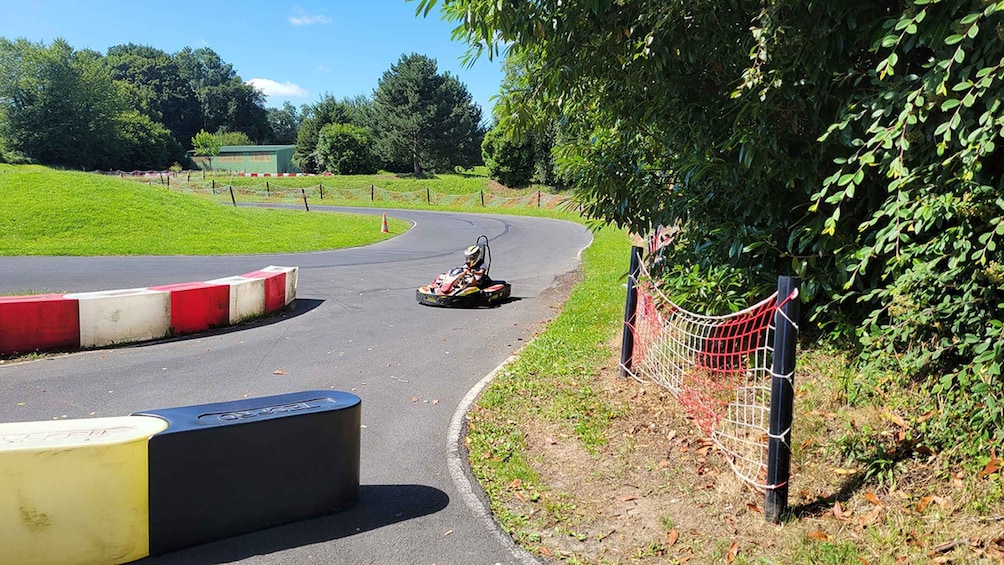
[272, 88]
[323, 69]
[303, 19]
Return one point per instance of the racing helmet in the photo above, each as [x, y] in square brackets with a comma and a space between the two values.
[474, 256]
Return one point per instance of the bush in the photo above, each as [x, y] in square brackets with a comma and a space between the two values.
[509, 162]
[345, 149]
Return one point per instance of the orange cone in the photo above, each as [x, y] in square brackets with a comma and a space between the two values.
[383, 224]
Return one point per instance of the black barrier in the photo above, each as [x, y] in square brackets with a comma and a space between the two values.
[225, 469]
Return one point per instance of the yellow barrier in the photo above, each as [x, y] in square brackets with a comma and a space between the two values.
[75, 492]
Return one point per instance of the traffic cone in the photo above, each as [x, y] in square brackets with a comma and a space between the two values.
[383, 224]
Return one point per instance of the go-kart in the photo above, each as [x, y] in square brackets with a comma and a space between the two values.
[466, 286]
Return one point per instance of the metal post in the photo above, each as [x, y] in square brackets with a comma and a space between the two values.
[782, 392]
[232, 199]
[630, 309]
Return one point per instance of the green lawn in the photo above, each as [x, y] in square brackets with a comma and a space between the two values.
[50, 212]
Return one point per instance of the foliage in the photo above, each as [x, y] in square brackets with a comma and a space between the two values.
[854, 144]
[207, 144]
[283, 124]
[327, 110]
[345, 149]
[57, 105]
[225, 99]
[152, 83]
[80, 109]
[509, 162]
[229, 138]
[144, 144]
[425, 118]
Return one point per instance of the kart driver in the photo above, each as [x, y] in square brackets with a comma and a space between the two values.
[474, 260]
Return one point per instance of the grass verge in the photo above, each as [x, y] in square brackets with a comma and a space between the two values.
[51, 212]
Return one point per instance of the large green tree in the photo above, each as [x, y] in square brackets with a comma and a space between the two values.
[856, 144]
[327, 110]
[154, 85]
[57, 106]
[424, 118]
[283, 124]
[345, 149]
[226, 101]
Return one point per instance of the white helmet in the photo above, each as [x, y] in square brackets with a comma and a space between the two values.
[473, 256]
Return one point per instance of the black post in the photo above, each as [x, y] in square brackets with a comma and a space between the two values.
[371, 193]
[428, 196]
[627, 342]
[214, 183]
[203, 174]
[268, 191]
[320, 188]
[482, 199]
[304, 193]
[782, 392]
[189, 179]
[161, 178]
[232, 199]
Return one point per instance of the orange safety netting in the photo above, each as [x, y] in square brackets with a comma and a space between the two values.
[718, 367]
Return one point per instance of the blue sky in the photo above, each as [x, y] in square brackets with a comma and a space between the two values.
[296, 51]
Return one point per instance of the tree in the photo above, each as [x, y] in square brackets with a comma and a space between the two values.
[345, 149]
[225, 100]
[206, 144]
[154, 85]
[57, 106]
[856, 144]
[144, 144]
[327, 110]
[232, 137]
[420, 116]
[509, 162]
[283, 123]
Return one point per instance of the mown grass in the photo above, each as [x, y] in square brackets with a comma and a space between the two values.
[467, 182]
[470, 191]
[551, 381]
[51, 212]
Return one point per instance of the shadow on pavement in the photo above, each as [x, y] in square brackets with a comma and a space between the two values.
[379, 506]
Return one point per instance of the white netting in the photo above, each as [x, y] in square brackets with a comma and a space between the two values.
[718, 367]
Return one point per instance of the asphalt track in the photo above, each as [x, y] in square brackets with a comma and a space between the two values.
[355, 326]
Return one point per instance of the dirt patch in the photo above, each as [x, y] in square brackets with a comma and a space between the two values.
[657, 490]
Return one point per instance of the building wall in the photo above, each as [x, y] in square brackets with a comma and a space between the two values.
[255, 159]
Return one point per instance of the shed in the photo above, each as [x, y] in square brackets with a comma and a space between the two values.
[250, 159]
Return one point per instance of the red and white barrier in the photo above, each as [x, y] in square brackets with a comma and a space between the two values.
[49, 322]
[122, 316]
[38, 322]
[247, 297]
[197, 306]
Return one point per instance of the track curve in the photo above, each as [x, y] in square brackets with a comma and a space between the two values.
[355, 326]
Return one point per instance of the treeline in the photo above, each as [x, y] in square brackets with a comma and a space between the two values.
[856, 144]
[417, 120]
[134, 107]
[140, 108]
